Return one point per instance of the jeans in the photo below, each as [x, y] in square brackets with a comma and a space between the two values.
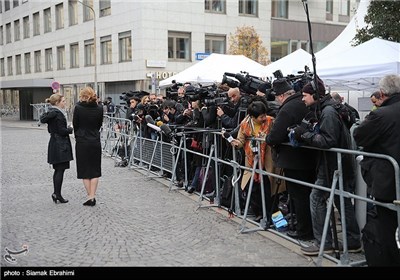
[195, 181]
[318, 206]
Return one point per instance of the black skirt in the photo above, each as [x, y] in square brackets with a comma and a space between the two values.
[88, 160]
[61, 165]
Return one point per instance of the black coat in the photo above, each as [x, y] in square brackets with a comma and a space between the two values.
[290, 113]
[380, 133]
[87, 121]
[59, 149]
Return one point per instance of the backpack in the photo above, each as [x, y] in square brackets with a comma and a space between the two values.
[210, 180]
[348, 117]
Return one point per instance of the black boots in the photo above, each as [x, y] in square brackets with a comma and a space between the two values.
[58, 198]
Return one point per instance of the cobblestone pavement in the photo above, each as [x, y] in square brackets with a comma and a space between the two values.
[136, 222]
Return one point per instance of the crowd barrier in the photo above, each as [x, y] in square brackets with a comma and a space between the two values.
[159, 156]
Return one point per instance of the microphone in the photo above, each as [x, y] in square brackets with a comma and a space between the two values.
[149, 120]
[228, 137]
[165, 129]
[156, 128]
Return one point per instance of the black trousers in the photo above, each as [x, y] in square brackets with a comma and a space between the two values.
[300, 197]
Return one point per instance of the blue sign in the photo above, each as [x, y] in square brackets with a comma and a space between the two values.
[201, 56]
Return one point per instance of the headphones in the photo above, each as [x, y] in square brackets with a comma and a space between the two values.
[315, 95]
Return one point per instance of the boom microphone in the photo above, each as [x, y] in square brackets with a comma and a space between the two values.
[149, 120]
[156, 128]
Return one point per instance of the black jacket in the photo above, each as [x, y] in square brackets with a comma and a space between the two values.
[87, 121]
[380, 133]
[59, 149]
[332, 134]
[290, 113]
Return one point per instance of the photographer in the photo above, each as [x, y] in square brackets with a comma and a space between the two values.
[131, 112]
[229, 114]
[264, 90]
[296, 163]
[330, 132]
[110, 107]
[256, 124]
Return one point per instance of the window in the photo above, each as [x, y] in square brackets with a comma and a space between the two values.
[74, 51]
[125, 46]
[27, 61]
[48, 59]
[9, 66]
[280, 8]
[6, 5]
[1, 36]
[17, 30]
[105, 8]
[38, 58]
[18, 64]
[8, 33]
[87, 12]
[27, 29]
[89, 52]
[329, 10]
[15, 3]
[73, 13]
[2, 67]
[105, 50]
[47, 20]
[279, 49]
[215, 44]
[215, 6]
[59, 16]
[344, 7]
[36, 24]
[179, 47]
[248, 7]
[61, 58]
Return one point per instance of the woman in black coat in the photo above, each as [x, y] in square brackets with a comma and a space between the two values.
[87, 121]
[59, 150]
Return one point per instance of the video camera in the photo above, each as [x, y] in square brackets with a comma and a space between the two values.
[245, 82]
[172, 91]
[297, 81]
[207, 95]
[126, 96]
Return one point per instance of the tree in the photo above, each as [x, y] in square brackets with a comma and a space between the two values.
[383, 21]
[247, 42]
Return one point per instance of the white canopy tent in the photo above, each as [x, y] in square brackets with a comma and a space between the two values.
[343, 41]
[290, 64]
[361, 67]
[212, 69]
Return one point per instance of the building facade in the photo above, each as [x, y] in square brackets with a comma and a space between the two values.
[130, 45]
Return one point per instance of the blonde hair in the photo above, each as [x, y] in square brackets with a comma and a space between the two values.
[54, 99]
[87, 94]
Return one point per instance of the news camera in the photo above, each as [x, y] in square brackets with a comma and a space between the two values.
[297, 81]
[172, 91]
[209, 95]
[245, 82]
[126, 96]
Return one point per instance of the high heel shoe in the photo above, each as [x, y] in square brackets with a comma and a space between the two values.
[59, 198]
[90, 202]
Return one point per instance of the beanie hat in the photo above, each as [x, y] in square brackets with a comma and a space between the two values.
[280, 86]
[308, 88]
[264, 87]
